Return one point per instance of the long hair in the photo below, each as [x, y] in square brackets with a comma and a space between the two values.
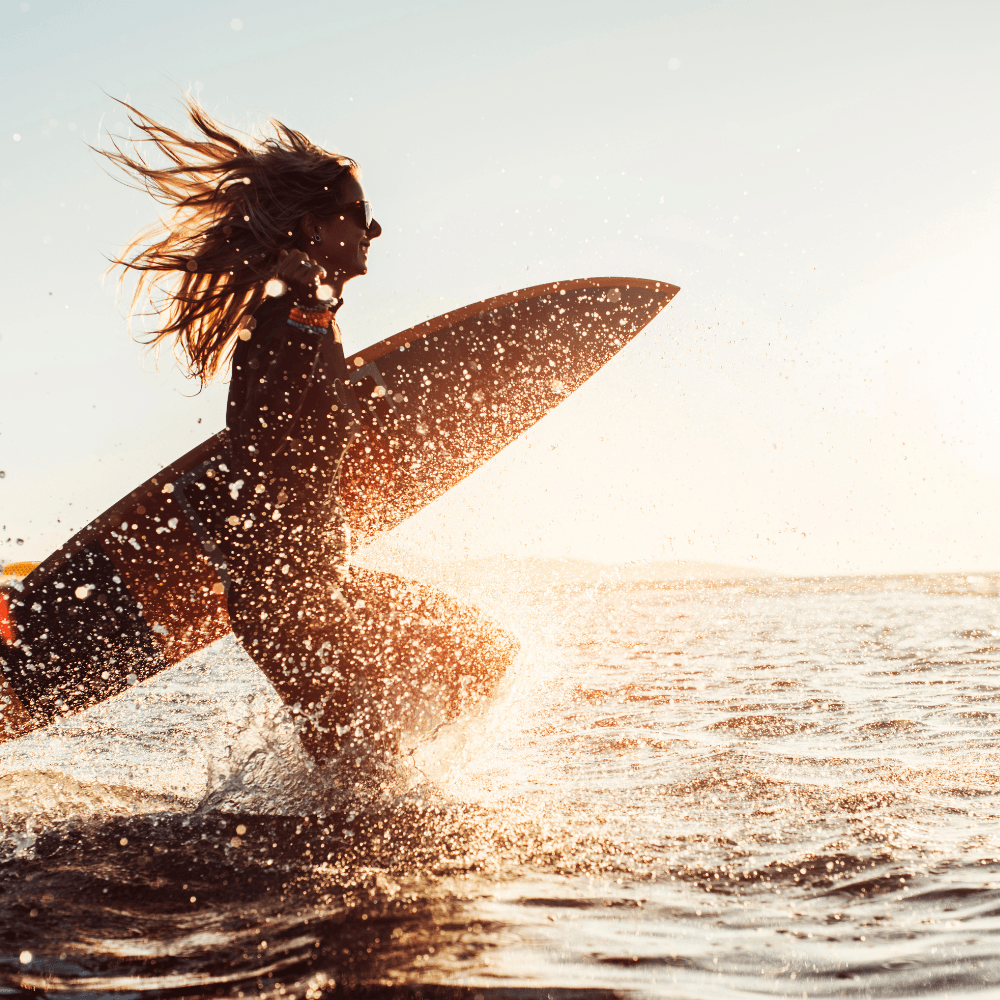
[235, 204]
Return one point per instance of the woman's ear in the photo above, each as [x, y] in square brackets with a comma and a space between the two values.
[308, 225]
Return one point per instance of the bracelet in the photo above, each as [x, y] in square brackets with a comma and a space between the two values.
[311, 320]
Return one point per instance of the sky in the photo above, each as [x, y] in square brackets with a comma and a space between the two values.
[821, 180]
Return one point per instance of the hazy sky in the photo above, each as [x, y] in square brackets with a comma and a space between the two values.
[822, 180]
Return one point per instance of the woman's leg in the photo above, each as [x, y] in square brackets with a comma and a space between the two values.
[307, 660]
[290, 615]
[363, 651]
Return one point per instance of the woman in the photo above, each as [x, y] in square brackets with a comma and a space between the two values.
[251, 266]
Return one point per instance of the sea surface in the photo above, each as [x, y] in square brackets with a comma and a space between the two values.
[708, 788]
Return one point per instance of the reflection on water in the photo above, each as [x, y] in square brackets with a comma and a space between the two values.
[725, 789]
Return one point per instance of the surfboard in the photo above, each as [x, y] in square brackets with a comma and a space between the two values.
[144, 585]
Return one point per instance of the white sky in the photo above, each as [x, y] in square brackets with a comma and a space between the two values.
[822, 180]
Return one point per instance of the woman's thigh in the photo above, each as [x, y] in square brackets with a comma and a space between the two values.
[436, 656]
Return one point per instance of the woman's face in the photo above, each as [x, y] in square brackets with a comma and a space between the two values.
[344, 240]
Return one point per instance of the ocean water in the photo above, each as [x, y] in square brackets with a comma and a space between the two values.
[701, 789]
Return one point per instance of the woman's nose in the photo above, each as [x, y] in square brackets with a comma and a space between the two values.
[374, 230]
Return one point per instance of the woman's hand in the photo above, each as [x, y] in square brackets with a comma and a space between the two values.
[300, 273]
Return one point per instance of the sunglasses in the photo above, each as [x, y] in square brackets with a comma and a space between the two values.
[362, 210]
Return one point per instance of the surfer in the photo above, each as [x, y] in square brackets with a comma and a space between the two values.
[249, 269]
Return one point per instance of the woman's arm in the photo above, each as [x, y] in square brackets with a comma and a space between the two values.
[289, 356]
[272, 373]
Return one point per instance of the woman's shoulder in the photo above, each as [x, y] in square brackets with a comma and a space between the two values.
[269, 327]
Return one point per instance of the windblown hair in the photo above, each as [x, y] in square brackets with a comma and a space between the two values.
[235, 205]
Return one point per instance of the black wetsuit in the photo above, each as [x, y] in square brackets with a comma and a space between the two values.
[351, 650]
